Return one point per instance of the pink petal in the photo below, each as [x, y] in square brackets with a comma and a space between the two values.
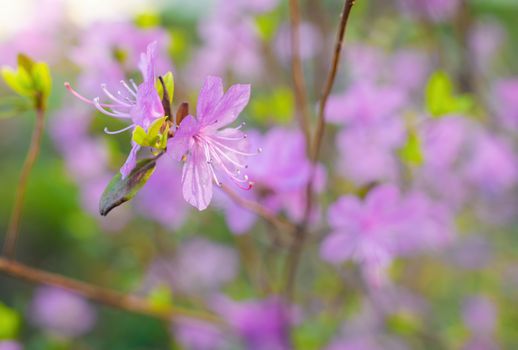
[147, 62]
[131, 162]
[197, 180]
[210, 94]
[337, 247]
[344, 212]
[179, 144]
[229, 106]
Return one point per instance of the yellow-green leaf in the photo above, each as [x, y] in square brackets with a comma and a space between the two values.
[440, 97]
[161, 298]
[155, 137]
[19, 81]
[9, 322]
[412, 151]
[169, 85]
[42, 78]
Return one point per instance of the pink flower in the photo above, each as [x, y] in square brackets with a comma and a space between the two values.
[61, 312]
[208, 150]
[141, 104]
[364, 232]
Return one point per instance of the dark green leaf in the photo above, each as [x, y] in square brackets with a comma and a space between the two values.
[121, 190]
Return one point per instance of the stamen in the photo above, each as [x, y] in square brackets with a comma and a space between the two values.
[125, 98]
[84, 99]
[241, 125]
[134, 85]
[231, 138]
[114, 114]
[110, 95]
[259, 150]
[218, 150]
[131, 91]
[119, 131]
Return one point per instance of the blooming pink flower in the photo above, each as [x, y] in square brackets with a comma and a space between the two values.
[208, 150]
[140, 104]
[364, 232]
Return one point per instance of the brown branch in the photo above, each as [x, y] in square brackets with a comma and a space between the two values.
[14, 223]
[301, 101]
[348, 5]
[98, 294]
[302, 232]
[265, 213]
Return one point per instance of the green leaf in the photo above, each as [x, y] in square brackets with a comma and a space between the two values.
[9, 322]
[147, 20]
[169, 86]
[412, 151]
[278, 106]
[404, 323]
[161, 298]
[121, 190]
[18, 80]
[267, 25]
[42, 78]
[440, 98]
[30, 79]
[155, 137]
[25, 62]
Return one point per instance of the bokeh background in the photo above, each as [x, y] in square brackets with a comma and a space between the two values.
[453, 283]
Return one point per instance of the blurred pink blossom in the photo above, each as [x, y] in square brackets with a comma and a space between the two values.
[61, 312]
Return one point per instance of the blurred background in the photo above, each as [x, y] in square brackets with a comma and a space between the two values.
[452, 281]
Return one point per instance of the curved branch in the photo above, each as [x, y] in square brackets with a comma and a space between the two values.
[101, 295]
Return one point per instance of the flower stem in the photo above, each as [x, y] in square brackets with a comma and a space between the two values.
[14, 223]
[301, 231]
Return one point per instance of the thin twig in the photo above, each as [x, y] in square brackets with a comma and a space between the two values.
[14, 223]
[348, 5]
[301, 101]
[302, 232]
[265, 213]
[100, 295]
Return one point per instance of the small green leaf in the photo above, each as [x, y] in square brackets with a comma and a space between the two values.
[30, 79]
[140, 136]
[404, 323]
[268, 25]
[155, 137]
[412, 151]
[278, 106]
[42, 78]
[161, 298]
[121, 190]
[147, 19]
[439, 93]
[25, 62]
[169, 85]
[18, 80]
[440, 97]
[9, 322]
